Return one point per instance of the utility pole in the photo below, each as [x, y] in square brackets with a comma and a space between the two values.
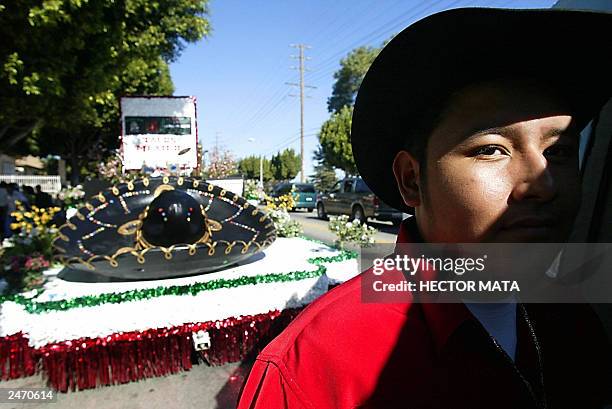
[261, 171]
[301, 68]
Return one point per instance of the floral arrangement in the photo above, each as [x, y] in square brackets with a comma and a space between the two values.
[286, 201]
[23, 273]
[351, 231]
[111, 169]
[72, 196]
[252, 191]
[28, 252]
[285, 227]
[278, 209]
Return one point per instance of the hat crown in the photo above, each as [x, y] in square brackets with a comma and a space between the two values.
[174, 217]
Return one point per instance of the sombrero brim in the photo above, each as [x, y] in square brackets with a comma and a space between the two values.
[438, 55]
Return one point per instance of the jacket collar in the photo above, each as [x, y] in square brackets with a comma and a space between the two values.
[442, 318]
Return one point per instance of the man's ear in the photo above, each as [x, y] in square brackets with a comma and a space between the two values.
[406, 170]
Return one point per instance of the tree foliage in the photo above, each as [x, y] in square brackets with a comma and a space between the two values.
[335, 149]
[286, 164]
[348, 78]
[249, 167]
[65, 63]
[323, 178]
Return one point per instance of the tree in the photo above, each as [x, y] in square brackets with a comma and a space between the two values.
[335, 149]
[286, 164]
[348, 78]
[64, 63]
[221, 164]
[249, 167]
[323, 178]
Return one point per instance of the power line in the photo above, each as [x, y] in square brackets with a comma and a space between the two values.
[287, 143]
[385, 30]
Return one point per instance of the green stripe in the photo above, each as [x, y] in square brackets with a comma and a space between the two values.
[36, 307]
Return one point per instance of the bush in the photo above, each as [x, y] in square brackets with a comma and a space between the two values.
[351, 231]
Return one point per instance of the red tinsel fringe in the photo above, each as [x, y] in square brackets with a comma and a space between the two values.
[16, 357]
[130, 356]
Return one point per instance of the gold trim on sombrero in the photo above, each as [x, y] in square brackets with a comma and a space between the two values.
[162, 188]
[214, 225]
[129, 228]
[72, 260]
[180, 181]
[165, 180]
[58, 248]
[123, 250]
[111, 261]
[140, 245]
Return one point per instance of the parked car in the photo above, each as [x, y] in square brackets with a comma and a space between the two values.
[351, 196]
[305, 194]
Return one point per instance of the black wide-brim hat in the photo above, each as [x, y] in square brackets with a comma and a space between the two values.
[163, 227]
[422, 66]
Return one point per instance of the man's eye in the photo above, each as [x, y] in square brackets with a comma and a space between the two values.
[559, 150]
[489, 150]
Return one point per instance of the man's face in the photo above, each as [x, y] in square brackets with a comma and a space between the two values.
[502, 166]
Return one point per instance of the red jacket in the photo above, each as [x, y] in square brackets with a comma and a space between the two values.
[342, 353]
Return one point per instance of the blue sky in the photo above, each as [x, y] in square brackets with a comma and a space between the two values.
[238, 73]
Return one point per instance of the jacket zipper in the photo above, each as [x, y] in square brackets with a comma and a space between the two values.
[542, 403]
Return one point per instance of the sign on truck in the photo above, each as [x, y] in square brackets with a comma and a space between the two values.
[159, 133]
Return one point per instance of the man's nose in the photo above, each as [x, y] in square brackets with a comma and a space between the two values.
[535, 180]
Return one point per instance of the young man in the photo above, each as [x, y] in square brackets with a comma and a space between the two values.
[470, 120]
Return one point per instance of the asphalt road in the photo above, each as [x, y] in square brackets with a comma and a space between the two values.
[317, 229]
[202, 387]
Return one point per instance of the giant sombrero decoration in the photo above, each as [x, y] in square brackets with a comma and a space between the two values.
[162, 227]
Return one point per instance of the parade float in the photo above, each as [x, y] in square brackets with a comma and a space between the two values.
[156, 273]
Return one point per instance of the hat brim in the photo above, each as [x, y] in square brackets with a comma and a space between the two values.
[425, 63]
